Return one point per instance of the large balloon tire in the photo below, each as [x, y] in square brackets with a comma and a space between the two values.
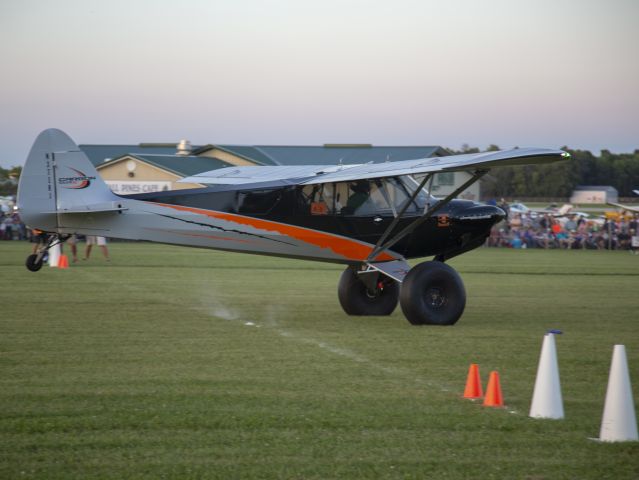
[32, 264]
[356, 299]
[432, 294]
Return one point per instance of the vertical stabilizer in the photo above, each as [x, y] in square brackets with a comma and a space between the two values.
[58, 177]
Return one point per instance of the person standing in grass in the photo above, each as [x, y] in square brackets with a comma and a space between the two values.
[100, 242]
[73, 244]
[634, 242]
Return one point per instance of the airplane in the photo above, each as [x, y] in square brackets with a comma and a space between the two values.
[626, 207]
[371, 218]
[520, 208]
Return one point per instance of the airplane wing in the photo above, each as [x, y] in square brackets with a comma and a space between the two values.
[262, 174]
[311, 174]
[625, 207]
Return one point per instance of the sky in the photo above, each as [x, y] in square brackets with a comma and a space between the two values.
[541, 73]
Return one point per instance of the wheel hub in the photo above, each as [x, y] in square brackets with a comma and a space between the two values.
[373, 293]
[435, 297]
[377, 292]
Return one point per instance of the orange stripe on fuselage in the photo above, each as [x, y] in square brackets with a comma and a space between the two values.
[345, 247]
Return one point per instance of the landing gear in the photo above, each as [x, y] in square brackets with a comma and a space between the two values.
[34, 262]
[432, 294]
[357, 297]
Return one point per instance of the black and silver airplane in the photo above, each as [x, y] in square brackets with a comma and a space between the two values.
[370, 217]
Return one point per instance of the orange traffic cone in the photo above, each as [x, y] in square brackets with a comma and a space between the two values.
[63, 262]
[473, 383]
[493, 397]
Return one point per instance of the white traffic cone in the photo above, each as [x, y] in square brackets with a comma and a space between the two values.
[619, 423]
[547, 402]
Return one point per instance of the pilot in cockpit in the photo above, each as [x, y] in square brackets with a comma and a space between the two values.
[361, 193]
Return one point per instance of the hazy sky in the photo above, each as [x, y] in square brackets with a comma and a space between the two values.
[401, 72]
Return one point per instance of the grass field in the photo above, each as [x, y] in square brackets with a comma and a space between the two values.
[178, 363]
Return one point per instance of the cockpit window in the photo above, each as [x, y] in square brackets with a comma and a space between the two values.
[365, 198]
[384, 196]
[258, 201]
[319, 199]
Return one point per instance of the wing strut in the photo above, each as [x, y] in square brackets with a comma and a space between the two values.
[397, 218]
[381, 246]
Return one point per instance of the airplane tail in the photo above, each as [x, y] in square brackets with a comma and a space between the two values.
[58, 178]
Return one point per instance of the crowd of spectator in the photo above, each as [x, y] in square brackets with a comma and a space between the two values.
[570, 231]
[12, 228]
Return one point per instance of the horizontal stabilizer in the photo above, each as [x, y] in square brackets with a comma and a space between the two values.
[94, 208]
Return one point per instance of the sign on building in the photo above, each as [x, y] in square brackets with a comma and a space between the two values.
[128, 187]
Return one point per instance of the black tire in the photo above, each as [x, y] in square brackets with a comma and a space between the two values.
[31, 263]
[356, 299]
[432, 294]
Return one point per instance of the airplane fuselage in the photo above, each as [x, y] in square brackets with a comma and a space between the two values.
[458, 226]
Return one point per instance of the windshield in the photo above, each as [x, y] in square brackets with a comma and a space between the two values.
[423, 198]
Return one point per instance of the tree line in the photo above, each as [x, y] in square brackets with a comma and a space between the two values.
[620, 170]
[8, 180]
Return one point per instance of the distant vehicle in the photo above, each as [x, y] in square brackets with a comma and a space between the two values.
[522, 209]
[518, 208]
[370, 217]
[617, 215]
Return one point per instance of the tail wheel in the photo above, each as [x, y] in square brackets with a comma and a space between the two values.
[358, 299]
[432, 294]
[33, 263]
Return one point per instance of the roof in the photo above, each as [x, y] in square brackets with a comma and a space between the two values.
[250, 153]
[163, 155]
[327, 154]
[608, 188]
[180, 165]
[99, 153]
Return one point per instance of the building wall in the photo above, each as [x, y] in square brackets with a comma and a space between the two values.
[147, 178]
[593, 196]
[448, 182]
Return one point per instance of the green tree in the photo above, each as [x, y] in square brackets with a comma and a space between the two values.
[9, 180]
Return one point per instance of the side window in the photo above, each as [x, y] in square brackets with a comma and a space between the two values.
[359, 197]
[365, 197]
[341, 197]
[258, 202]
[318, 199]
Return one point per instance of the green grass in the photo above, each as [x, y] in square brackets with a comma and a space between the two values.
[183, 363]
